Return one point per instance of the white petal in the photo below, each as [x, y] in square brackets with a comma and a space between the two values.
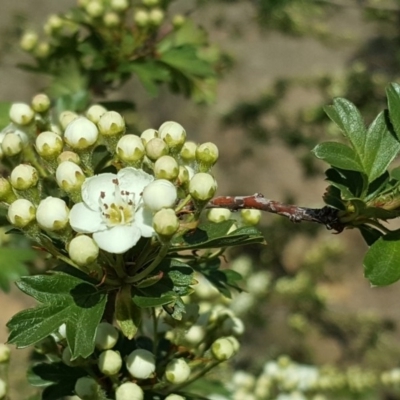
[85, 220]
[133, 180]
[118, 239]
[96, 185]
[144, 221]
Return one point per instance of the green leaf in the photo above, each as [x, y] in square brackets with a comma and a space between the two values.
[338, 155]
[350, 183]
[381, 263]
[127, 314]
[13, 266]
[4, 110]
[65, 299]
[370, 235]
[144, 301]
[393, 97]
[395, 173]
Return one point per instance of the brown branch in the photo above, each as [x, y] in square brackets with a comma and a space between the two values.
[327, 216]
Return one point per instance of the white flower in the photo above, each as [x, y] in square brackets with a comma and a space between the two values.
[112, 209]
[141, 364]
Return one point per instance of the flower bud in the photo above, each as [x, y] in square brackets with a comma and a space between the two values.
[202, 186]
[195, 335]
[42, 50]
[156, 16]
[188, 151]
[147, 135]
[94, 8]
[6, 193]
[95, 112]
[129, 391]
[23, 177]
[21, 212]
[106, 336]
[156, 148]
[166, 167]
[3, 389]
[41, 103]
[21, 113]
[111, 123]
[53, 24]
[11, 144]
[178, 21]
[233, 326]
[66, 357]
[4, 353]
[111, 19]
[68, 156]
[66, 117]
[119, 5]
[141, 18]
[177, 371]
[29, 41]
[183, 176]
[130, 148]
[207, 154]
[159, 194]
[52, 214]
[223, 349]
[69, 176]
[141, 364]
[83, 250]
[86, 388]
[250, 217]
[174, 396]
[81, 133]
[165, 222]
[49, 145]
[173, 134]
[218, 214]
[110, 362]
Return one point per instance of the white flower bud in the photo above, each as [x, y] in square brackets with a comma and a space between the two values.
[6, 193]
[141, 364]
[21, 113]
[94, 8]
[130, 148]
[66, 357]
[3, 389]
[52, 214]
[86, 388]
[29, 41]
[223, 349]
[156, 148]
[188, 151]
[106, 336]
[111, 19]
[233, 326]
[195, 335]
[166, 167]
[165, 222]
[95, 112]
[23, 177]
[173, 134]
[11, 144]
[159, 194]
[21, 212]
[178, 20]
[141, 18]
[174, 396]
[4, 353]
[119, 5]
[177, 371]
[183, 176]
[62, 331]
[156, 16]
[218, 214]
[49, 145]
[69, 176]
[83, 250]
[68, 156]
[42, 50]
[111, 123]
[53, 24]
[202, 186]
[110, 362]
[148, 134]
[250, 217]
[66, 117]
[41, 103]
[207, 154]
[81, 133]
[129, 391]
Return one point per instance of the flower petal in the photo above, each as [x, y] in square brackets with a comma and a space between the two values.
[133, 180]
[118, 239]
[144, 221]
[84, 220]
[96, 186]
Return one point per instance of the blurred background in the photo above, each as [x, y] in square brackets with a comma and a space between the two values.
[285, 60]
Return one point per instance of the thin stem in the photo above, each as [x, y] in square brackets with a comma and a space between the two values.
[119, 266]
[155, 329]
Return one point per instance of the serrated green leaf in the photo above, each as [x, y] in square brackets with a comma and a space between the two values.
[127, 314]
[144, 302]
[370, 234]
[65, 299]
[338, 155]
[381, 263]
[13, 266]
[4, 110]
[393, 97]
[350, 183]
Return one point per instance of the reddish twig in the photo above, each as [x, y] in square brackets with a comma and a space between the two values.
[327, 216]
